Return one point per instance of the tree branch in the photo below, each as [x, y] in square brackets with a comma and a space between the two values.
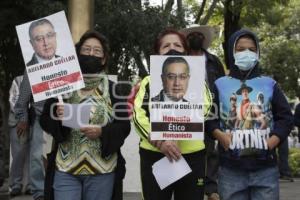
[209, 12]
[201, 10]
[180, 13]
[168, 8]
[139, 61]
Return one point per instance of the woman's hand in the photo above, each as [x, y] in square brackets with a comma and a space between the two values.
[92, 132]
[273, 142]
[167, 147]
[156, 143]
[170, 149]
[60, 111]
[224, 138]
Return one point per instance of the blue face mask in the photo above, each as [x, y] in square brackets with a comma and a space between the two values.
[245, 60]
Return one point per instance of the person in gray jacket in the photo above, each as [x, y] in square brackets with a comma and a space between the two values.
[30, 117]
[19, 145]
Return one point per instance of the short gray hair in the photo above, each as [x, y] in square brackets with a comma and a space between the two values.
[171, 60]
[38, 23]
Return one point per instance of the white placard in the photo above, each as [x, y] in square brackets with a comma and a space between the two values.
[177, 97]
[50, 57]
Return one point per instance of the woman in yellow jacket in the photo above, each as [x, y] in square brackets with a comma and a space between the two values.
[191, 187]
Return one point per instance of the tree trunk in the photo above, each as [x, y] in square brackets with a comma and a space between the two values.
[197, 20]
[143, 71]
[168, 9]
[180, 13]
[209, 12]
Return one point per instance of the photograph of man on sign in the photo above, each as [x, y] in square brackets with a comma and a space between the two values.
[51, 63]
[175, 79]
[43, 40]
[176, 106]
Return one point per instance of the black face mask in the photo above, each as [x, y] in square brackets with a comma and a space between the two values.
[173, 52]
[196, 42]
[90, 64]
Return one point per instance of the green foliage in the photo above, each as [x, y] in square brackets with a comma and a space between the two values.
[294, 161]
[277, 23]
[10, 56]
[281, 60]
[254, 12]
[42, 8]
[281, 48]
[131, 29]
[192, 8]
[15, 12]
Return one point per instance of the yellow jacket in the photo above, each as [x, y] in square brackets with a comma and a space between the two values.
[142, 122]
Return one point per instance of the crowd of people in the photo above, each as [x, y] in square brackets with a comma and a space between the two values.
[251, 119]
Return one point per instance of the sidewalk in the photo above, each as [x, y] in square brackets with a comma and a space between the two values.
[288, 191]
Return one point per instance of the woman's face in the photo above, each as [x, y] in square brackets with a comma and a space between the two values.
[170, 41]
[93, 47]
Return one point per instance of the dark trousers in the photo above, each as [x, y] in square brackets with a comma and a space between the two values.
[283, 161]
[212, 165]
[2, 172]
[190, 187]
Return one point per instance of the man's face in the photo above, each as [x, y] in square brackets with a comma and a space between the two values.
[245, 93]
[43, 41]
[175, 80]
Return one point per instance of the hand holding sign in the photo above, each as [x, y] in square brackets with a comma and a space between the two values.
[171, 150]
[167, 147]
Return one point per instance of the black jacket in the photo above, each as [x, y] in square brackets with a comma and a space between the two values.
[214, 68]
[297, 117]
[112, 138]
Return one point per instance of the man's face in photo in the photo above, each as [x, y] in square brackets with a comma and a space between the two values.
[175, 80]
[245, 93]
[43, 41]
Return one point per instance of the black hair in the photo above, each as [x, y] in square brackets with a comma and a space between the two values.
[94, 34]
[247, 36]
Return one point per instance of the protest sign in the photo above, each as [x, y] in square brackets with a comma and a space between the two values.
[50, 57]
[177, 97]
